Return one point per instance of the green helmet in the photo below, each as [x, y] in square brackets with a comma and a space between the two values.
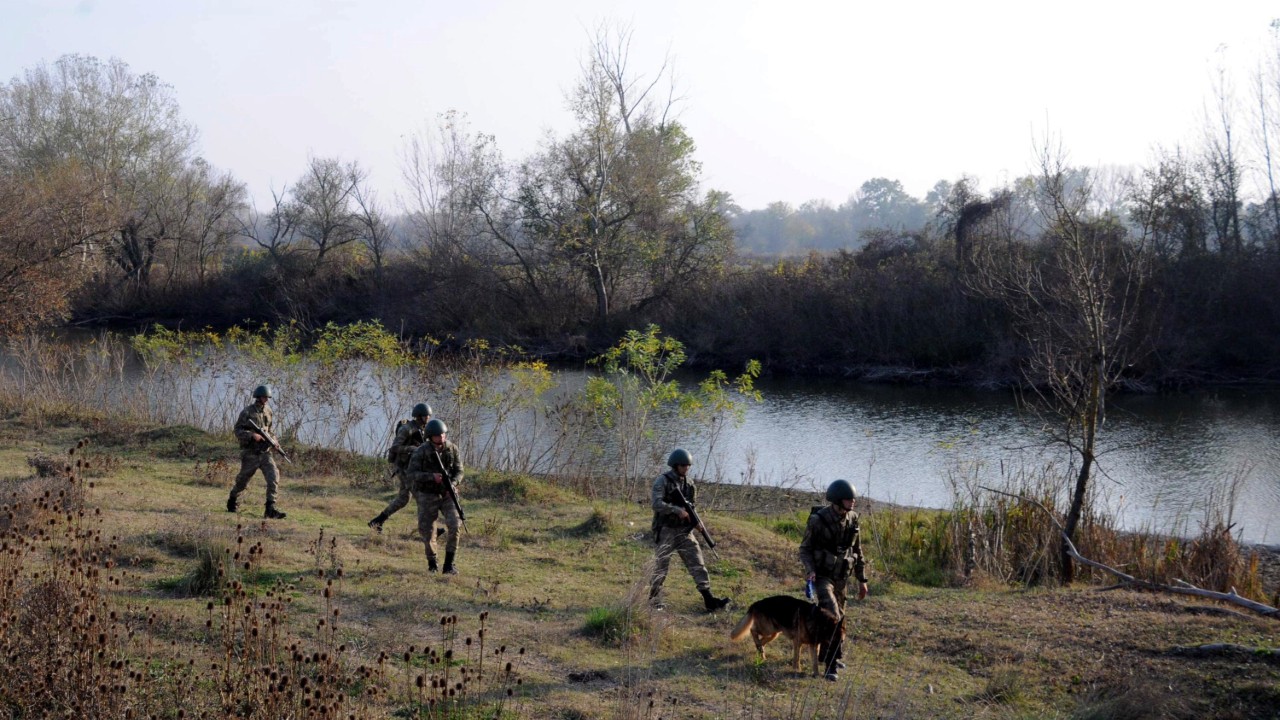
[262, 391]
[435, 426]
[679, 456]
[422, 410]
[841, 490]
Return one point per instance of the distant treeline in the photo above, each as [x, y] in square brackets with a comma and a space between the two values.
[896, 309]
[108, 217]
[879, 205]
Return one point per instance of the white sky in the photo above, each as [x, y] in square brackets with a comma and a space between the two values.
[787, 100]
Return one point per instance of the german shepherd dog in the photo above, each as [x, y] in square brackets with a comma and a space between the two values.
[803, 623]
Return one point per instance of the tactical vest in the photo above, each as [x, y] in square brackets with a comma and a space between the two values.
[671, 497]
[834, 562]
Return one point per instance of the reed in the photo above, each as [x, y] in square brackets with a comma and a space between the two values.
[1003, 535]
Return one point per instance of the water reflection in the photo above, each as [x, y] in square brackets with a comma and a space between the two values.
[1162, 455]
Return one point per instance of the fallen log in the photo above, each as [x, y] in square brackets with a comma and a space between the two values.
[1180, 588]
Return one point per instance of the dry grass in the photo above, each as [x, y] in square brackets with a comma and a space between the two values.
[317, 614]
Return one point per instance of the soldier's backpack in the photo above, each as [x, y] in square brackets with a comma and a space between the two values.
[391, 451]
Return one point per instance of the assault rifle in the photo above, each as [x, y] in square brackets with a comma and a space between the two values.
[697, 521]
[448, 486]
[275, 445]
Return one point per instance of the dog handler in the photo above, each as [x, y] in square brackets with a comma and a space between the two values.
[830, 551]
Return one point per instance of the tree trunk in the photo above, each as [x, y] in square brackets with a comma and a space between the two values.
[1088, 439]
[1077, 509]
[602, 293]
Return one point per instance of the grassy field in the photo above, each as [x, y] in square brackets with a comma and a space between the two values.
[112, 595]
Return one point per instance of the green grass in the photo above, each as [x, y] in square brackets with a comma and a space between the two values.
[564, 577]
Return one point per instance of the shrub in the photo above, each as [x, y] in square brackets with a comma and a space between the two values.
[616, 625]
[599, 523]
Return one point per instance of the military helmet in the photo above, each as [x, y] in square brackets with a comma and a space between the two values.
[679, 456]
[262, 391]
[435, 426]
[422, 410]
[841, 490]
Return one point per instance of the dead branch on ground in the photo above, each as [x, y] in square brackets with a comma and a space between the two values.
[1180, 588]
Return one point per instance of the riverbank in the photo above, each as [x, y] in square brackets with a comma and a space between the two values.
[775, 502]
[560, 581]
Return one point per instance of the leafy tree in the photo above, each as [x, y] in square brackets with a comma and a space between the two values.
[617, 200]
[48, 221]
[638, 382]
[882, 203]
[126, 134]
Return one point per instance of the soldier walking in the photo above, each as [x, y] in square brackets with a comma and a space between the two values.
[409, 435]
[434, 467]
[673, 530]
[255, 452]
[830, 551]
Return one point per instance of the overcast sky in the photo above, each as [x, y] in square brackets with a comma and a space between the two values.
[787, 100]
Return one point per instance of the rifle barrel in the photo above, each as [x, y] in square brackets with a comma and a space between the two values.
[275, 444]
[697, 521]
[448, 486]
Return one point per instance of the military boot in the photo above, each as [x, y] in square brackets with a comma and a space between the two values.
[712, 602]
[830, 659]
[655, 598]
[449, 569]
[232, 503]
[273, 514]
[432, 565]
[376, 523]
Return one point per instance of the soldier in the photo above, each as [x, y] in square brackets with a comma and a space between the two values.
[409, 435]
[673, 530]
[830, 551]
[255, 452]
[432, 467]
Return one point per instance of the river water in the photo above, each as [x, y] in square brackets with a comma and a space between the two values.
[1165, 459]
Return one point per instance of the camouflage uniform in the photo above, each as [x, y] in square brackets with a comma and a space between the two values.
[831, 550]
[255, 455]
[673, 534]
[408, 437]
[432, 497]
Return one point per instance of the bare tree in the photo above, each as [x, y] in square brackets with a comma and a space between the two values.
[1267, 97]
[376, 232]
[1072, 298]
[216, 200]
[1221, 167]
[1167, 204]
[325, 209]
[464, 213]
[272, 231]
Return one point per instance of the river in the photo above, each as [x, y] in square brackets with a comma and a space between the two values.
[1164, 458]
[1163, 455]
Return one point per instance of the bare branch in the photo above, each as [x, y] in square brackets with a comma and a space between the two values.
[1181, 588]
